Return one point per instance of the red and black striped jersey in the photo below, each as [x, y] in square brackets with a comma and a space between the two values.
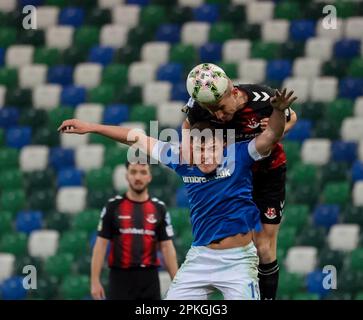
[246, 121]
[134, 230]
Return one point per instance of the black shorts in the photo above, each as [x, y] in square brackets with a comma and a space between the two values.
[134, 284]
[269, 194]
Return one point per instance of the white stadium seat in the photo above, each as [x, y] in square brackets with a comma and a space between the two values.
[190, 3]
[275, 31]
[119, 178]
[109, 3]
[360, 150]
[156, 92]
[46, 96]
[358, 107]
[90, 112]
[352, 129]
[253, 69]
[133, 125]
[33, 157]
[89, 157]
[319, 48]
[301, 260]
[324, 89]
[19, 55]
[71, 200]
[334, 34]
[60, 37]
[73, 140]
[301, 87]
[354, 28]
[126, 15]
[343, 237]
[195, 33]
[32, 75]
[155, 52]
[7, 261]
[43, 243]
[113, 35]
[241, 1]
[236, 50]
[8, 5]
[2, 95]
[141, 73]
[306, 67]
[259, 12]
[316, 151]
[47, 16]
[358, 194]
[170, 114]
[88, 75]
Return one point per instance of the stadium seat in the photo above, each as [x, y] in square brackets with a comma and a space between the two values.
[114, 36]
[90, 112]
[301, 30]
[31, 76]
[69, 177]
[11, 180]
[221, 32]
[137, 36]
[126, 15]
[47, 16]
[71, 199]
[33, 118]
[143, 114]
[60, 37]
[60, 74]
[2, 95]
[167, 116]
[319, 48]
[356, 68]
[190, 3]
[343, 237]
[19, 55]
[141, 73]
[344, 151]
[351, 88]
[73, 242]
[336, 193]
[61, 158]
[210, 51]
[156, 92]
[115, 114]
[75, 287]
[335, 67]
[195, 33]
[275, 31]
[314, 283]
[357, 171]
[346, 48]
[358, 193]
[9, 158]
[155, 52]
[171, 72]
[73, 141]
[301, 259]
[352, 129]
[101, 54]
[265, 50]
[352, 27]
[73, 95]
[119, 178]
[14, 243]
[206, 13]
[278, 70]
[290, 283]
[89, 156]
[18, 137]
[129, 95]
[295, 216]
[351, 282]
[331, 257]
[98, 17]
[13, 289]
[7, 265]
[338, 110]
[286, 238]
[86, 36]
[104, 94]
[316, 151]
[59, 265]
[33, 158]
[98, 198]
[254, 69]
[115, 74]
[168, 32]
[43, 243]
[88, 75]
[71, 16]
[259, 12]
[98, 178]
[236, 50]
[356, 260]
[36, 180]
[9, 77]
[326, 215]
[86, 221]
[46, 96]
[301, 131]
[306, 67]
[9, 117]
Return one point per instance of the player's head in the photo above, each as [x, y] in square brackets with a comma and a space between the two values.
[207, 146]
[213, 90]
[138, 176]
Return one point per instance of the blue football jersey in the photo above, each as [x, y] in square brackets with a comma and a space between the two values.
[221, 202]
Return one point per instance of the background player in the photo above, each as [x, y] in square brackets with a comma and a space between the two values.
[246, 108]
[136, 225]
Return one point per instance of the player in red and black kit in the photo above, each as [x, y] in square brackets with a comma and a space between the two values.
[135, 225]
[246, 108]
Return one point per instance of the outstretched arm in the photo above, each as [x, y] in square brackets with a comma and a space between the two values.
[276, 124]
[133, 137]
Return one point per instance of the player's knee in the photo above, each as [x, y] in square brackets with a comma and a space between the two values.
[264, 249]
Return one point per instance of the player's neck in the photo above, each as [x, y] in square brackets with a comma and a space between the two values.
[241, 99]
[137, 197]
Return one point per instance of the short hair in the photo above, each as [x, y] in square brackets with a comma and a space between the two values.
[128, 163]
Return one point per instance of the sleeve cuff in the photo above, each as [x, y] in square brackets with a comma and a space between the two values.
[254, 154]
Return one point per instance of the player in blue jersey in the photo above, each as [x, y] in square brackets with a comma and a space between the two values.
[223, 214]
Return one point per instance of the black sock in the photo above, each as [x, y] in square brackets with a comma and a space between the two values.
[268, 275]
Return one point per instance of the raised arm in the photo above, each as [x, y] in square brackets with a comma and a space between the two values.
[128, 136]
[276, 124]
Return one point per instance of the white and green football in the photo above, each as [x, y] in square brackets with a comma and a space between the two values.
[206, 83]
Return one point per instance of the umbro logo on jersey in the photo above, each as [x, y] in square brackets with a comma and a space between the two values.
[261, 96]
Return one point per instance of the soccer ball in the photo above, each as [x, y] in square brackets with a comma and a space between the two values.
[206, 83]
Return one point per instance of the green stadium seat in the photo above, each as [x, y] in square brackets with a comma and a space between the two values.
[310, 236]
[165, 193]
[86, 221]
[336, 193]
[115, 156]
[152, 15]
[75, 287]
[292, 150]
[143, 113]
[59, 265]
[19, 97]
[34, 118]
[233, 13]
[86, 36]
[230, 69]
[304, 194]
[356, 68]
[295, 216]
[98, 17]
[356, 260]
[99, 178]
[130, 95]
[9, 77]
[47, 288]
[335, 67]
[350, 281]
[289, 10]
[107, 142]
[86, 4]
[353, 215]
[14, 200]
[42, 199]
[58, 115]
[327, 129]
[7, 37]
[103, 94]
[305, 296]
[290, 283]
[313, 10]
[46, 135]
[180, 220]
[11, 180]
[183, 53]
[74, 55]
[249, 31]
[334, 171]
[98, 198]
[115, 74]
[129, 53]
[180, 15]
[331, 257]
[57, 3]
[48, 56]
[346, 9]
[313, 111]
[265, 50]
[83, 264]
[15, 243]
[2, 137]
[338, 296]
[292, 49]
[302, 174]
[221, 31]
[9, 158]
[43, 179]
[12, 19]
[74, 242]
[286, 237]
[339, 109]
[58, 221]
[5, 222]
[32, 37]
